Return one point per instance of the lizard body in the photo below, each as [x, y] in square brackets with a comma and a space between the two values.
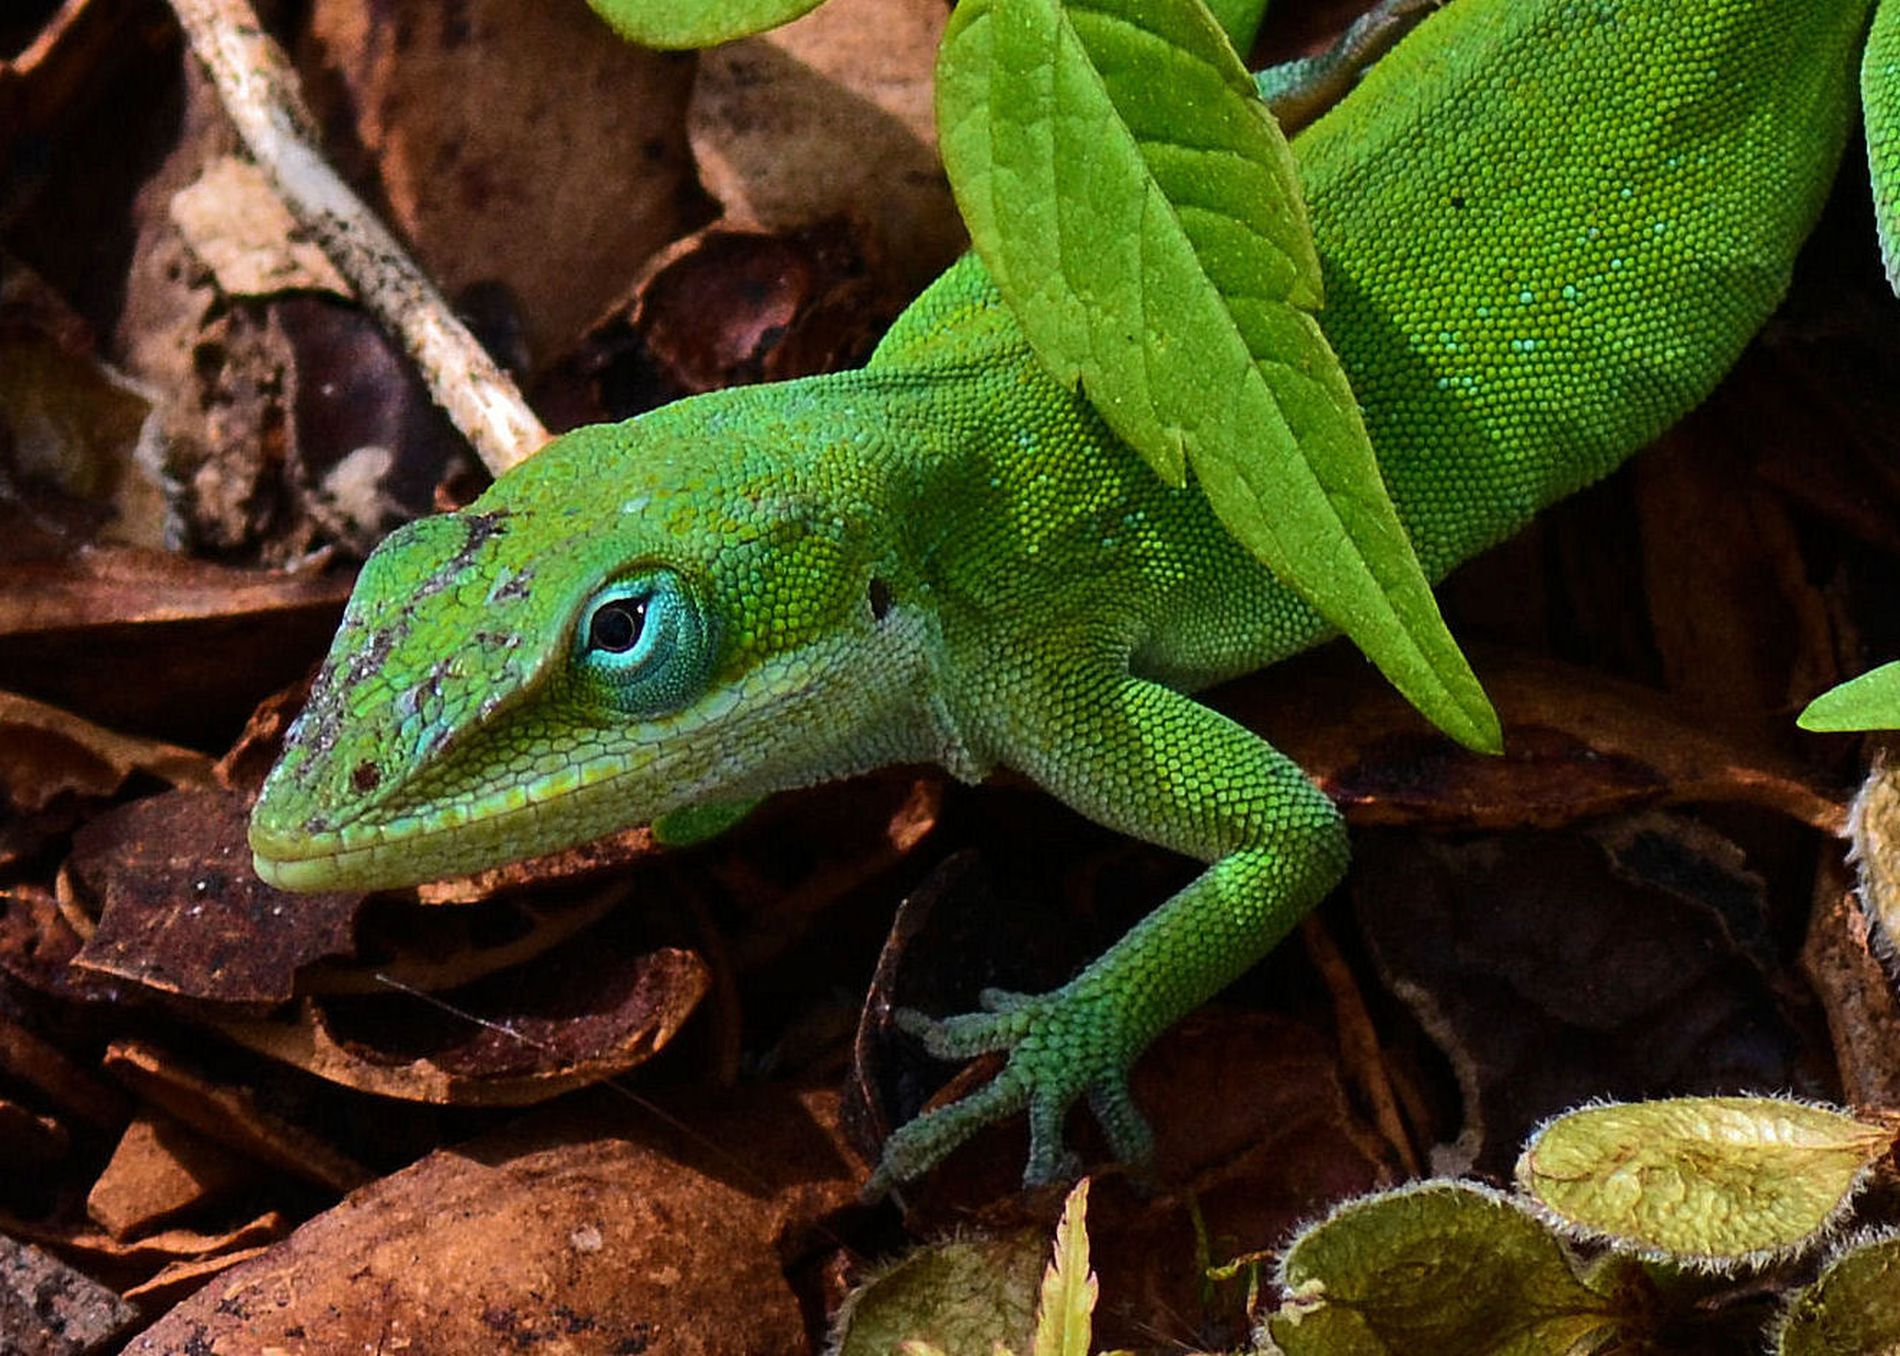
[1547, 228]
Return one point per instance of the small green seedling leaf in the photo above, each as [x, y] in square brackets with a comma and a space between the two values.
[1853, 1305]
[1442, 1266]
[1063, 1323]
[682, 24]
[1720, 1182]
[1869, 702]
[960, 1299]
[1141, 215]
[1880, 103]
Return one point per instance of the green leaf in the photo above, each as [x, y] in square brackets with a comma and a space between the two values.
[676, 24]
[1141, 215]
[1880, 102]
[1853, 1305]
[1712, 1181]
[1068, 1286]
[1443, 1266]
[1869, 702]
[1240, 20]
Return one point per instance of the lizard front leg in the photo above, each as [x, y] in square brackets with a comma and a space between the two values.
[1157, 765]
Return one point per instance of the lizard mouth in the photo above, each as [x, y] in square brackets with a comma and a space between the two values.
[511, 823]
[397, 855]
[305, 863]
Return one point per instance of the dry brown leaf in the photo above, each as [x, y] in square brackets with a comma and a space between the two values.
[37, 946]
[27, 1058]
[74, 433]
[45, 751]
[88, 1245]
[159, 1171]
[174, 1281]
[1741, 629]
[1549, 967]
[1577, 745]
[602, 1233]
[585, 1014]
[516, 146]
[725, 309]
[831, 116]
[429, 950]
[230, 1115]
[584, 862]
[28, 1140]
[181, 910]
[220, 635]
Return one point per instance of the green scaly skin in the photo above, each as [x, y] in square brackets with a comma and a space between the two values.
[1880, 98]
[1548, 227]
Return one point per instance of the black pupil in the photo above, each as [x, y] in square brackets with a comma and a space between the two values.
[616, 625]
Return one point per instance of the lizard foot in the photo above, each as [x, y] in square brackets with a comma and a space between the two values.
[1063, 1045]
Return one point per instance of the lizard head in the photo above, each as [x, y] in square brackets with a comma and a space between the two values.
[640, 618]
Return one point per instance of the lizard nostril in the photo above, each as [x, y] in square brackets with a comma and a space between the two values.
[367, 777]
[880, 599]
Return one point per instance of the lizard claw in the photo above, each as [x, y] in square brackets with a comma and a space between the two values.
[1062, 1046]
[1003, 1000]
[968, 1034]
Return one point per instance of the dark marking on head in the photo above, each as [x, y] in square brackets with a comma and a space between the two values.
[880, 600]
[366, 777]
[478, 529]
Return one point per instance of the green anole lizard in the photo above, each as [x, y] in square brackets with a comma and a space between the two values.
[1547, 226]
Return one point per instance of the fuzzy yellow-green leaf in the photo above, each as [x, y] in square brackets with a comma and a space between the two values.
[1715, 1181]
[1853, 1305]
[962, 1298]
[1444, 1266]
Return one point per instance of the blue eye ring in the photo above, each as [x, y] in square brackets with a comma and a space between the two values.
[644, 644]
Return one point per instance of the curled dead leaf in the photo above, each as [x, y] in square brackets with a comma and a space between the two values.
[45, 752]
[220, 634]
[229, 1114]
[1578, 745]
[566, 1026]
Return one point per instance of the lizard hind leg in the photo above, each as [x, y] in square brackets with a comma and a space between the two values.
[1153, 763]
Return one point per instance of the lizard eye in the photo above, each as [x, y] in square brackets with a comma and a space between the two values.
[616, 625]
[644, 644]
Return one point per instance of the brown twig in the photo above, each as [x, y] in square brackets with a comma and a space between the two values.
[260, 93]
